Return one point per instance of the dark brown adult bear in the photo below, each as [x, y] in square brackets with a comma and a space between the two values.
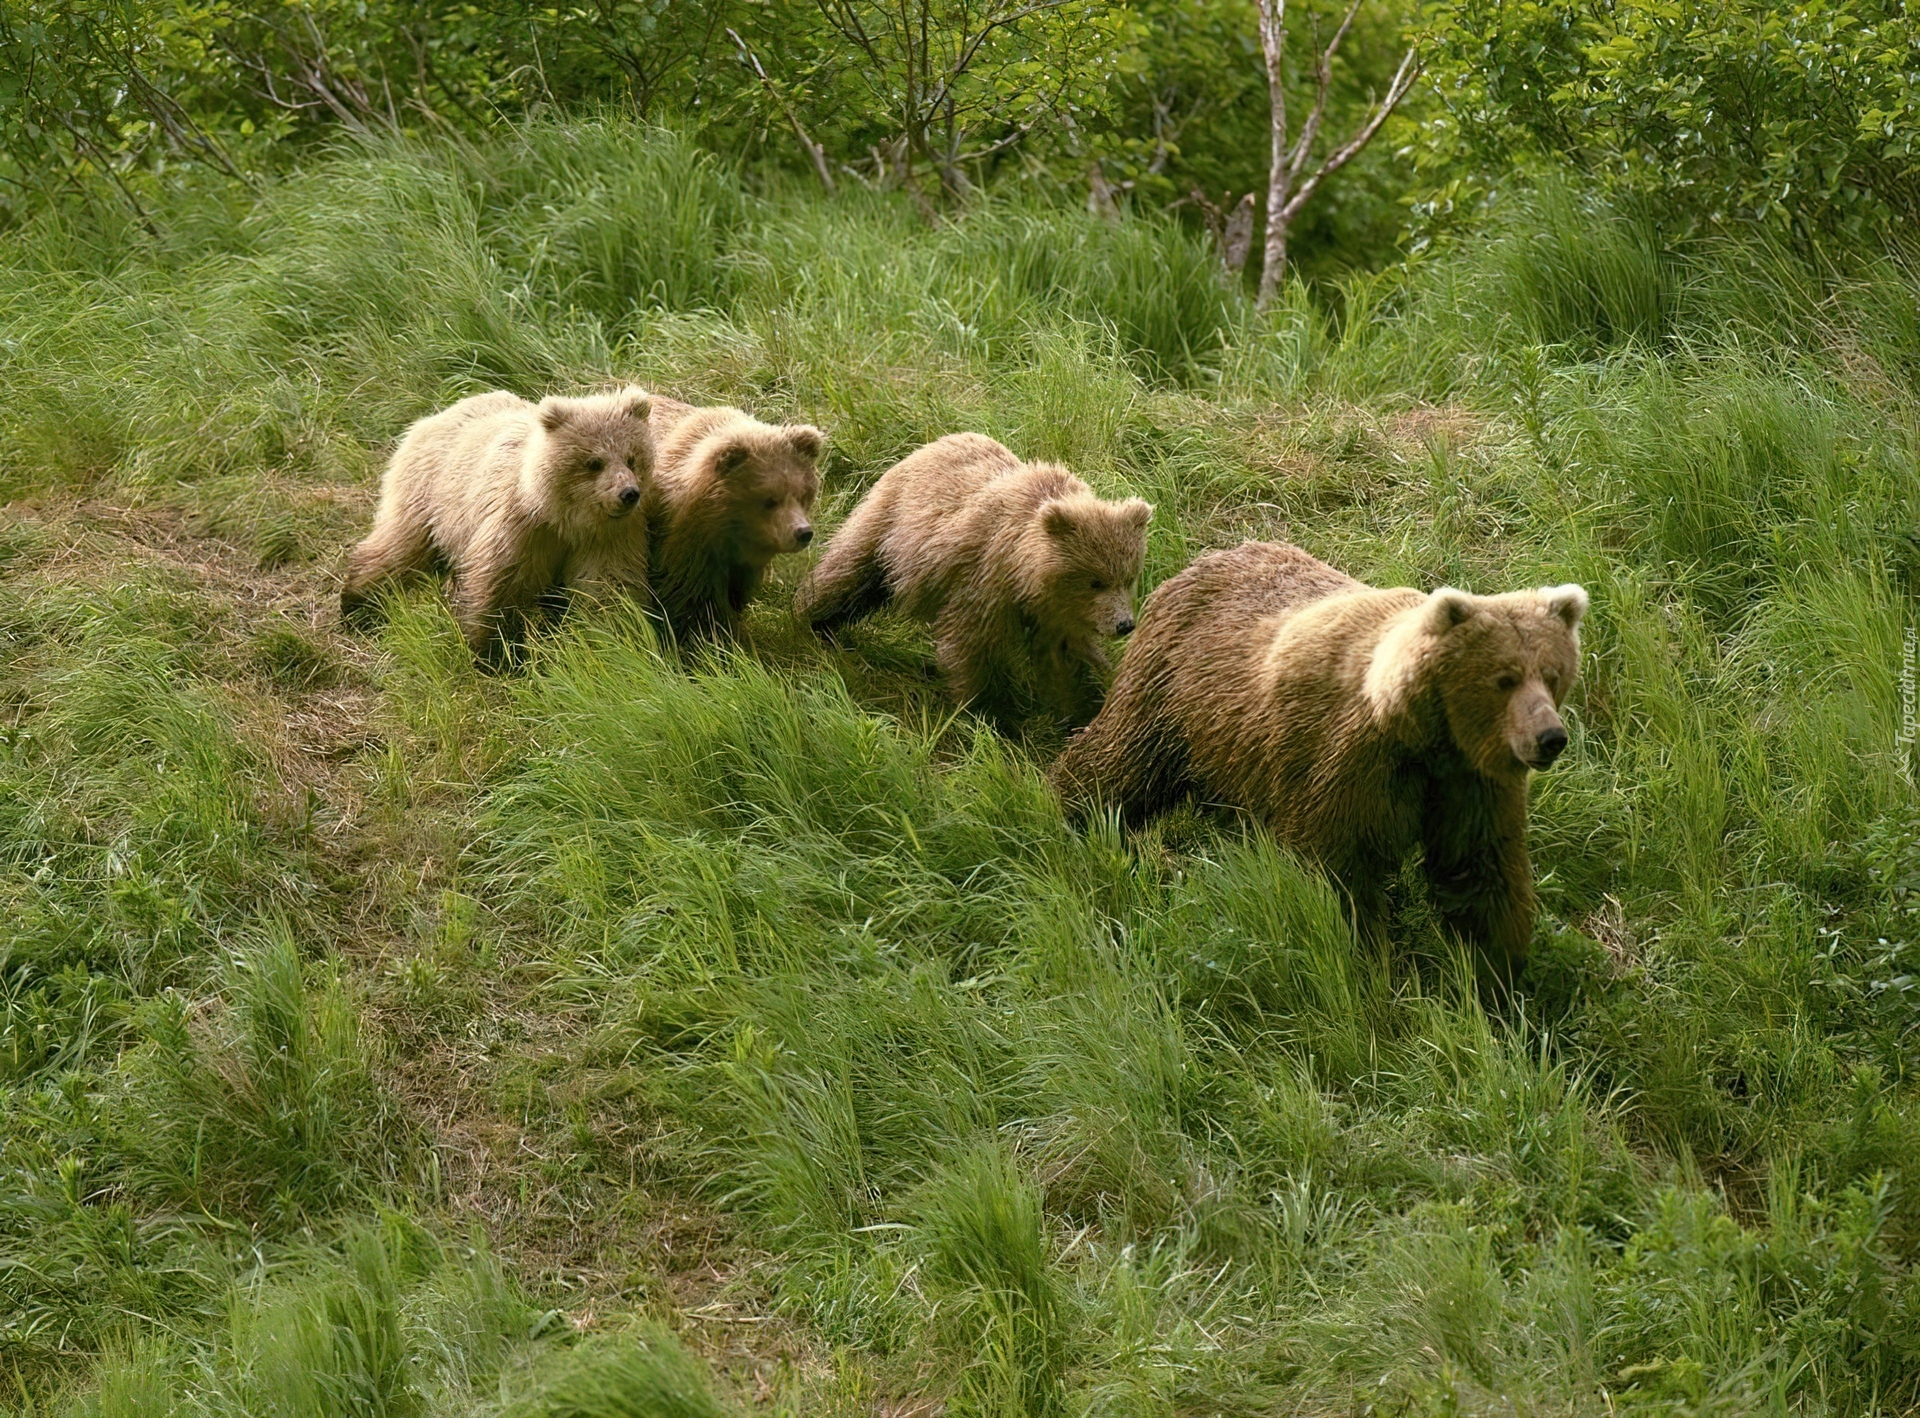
[1357, 723]
[1018, 567]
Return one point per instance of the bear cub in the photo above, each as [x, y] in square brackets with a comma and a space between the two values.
[730, 494]
[1018, 567]
[1357, 723]
[516, 501]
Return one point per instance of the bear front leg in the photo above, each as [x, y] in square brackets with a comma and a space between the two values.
[606, 571]
[1076, 682]
[499, 590]
[847, 584]
[398, 544]
[964, 671]
[963, 649]
[599, 576]
[743, 582]
[1475, 836]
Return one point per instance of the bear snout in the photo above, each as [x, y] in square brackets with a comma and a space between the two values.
[1124, 626]
[1547, 745]
[802, 535]
[629, 496]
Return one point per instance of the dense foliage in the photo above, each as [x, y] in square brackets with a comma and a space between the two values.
[1800, 116]
[1152, 102]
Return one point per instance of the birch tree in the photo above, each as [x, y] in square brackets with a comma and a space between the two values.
[1294, 174]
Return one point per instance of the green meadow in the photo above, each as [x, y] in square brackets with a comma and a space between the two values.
[747, 1032]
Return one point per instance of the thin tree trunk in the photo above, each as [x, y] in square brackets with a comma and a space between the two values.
[1273, 44]
[1287, 191]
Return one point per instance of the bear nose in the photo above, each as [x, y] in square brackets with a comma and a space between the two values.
[1125, 626]
[1548, 744]
[803, 535]
[629, 496]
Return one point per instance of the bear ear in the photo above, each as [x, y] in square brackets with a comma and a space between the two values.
[1056, 518]
[1569, 602]
[1445, 609]
[639, 404]
[1137, 511]
[553, 412]
[731, 459]
[806, 440]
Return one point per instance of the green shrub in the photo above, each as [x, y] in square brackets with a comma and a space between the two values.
[1796, 116]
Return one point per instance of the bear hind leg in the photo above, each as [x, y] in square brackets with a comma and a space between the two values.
[1132, 757]
[396, 546]
[1140, 775]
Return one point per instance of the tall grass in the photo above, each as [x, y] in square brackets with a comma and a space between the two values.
[1020, 1118]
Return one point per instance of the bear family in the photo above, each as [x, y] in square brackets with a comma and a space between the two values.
[1019, 568]
[515, 501]
[729, 494]
[1357, 723]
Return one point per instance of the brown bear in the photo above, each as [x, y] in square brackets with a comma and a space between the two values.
[516, 501]
[1357, 723]
[1018, 567]
[730, 494]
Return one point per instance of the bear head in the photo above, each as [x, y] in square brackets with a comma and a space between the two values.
[768, 477]
[1496, 667]
[595, 459]
[1089, 559]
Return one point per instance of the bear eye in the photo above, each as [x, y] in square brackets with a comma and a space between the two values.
[1098, 584]
[771, 503]
[596, 465]
[1508, 681]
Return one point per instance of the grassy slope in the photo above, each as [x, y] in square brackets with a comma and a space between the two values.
[370, 1031]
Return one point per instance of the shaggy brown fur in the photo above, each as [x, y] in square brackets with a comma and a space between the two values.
[1018, 567]
[1357, 723]
[731, 493]
[516, 501]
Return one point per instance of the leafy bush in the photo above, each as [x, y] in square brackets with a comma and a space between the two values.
[1800, 116]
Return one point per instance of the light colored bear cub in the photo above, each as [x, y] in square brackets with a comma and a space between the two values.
[515, 501]
[1018, 567]
[732, 494]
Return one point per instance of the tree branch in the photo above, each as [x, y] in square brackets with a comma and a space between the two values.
[1323, 84]
[1403, 81]
[1273, 48]
[813, 149]
[1007, 142]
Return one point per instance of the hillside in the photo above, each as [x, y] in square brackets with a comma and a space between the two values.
[748, 1033]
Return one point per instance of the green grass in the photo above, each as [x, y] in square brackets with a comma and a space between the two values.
[637, 1036]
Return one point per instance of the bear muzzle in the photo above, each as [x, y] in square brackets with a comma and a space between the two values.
[1547, 746]
[629, 497]
[1124, 626]
[802, 535]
